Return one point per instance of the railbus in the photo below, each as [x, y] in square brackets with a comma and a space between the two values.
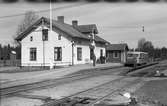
[136, 58]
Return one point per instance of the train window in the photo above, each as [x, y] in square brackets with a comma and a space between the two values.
[135, 55]
[130, 55]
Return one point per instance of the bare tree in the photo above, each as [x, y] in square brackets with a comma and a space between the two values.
[141, 43]
[149, 48]
[29, 19]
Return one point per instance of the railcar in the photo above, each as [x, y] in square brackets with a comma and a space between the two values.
[136, 58]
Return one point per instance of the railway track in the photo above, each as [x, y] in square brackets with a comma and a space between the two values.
[146, 70]
[49, 83]
[114, 91]
[100, 88]
[103, 88]
[57, 102]
[5, 92]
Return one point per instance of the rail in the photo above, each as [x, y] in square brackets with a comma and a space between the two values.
[67, 100]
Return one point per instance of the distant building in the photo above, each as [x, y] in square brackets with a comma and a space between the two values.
[65, 45]
[116, 53]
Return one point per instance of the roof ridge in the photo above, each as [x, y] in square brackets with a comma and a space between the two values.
[65, 27]
[86, 24]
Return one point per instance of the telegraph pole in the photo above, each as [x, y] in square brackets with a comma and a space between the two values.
[43, 43]
[93, 45]
[50, 15]
[73, 53]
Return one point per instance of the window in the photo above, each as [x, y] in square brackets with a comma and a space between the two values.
[116, 54]
[101, 52]
[59, 37]
[45, 34]
[91, 54]
[31, 38]
[33, 54]
[79, 54]
[57, 53]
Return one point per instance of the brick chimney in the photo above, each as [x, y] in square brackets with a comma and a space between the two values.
[74, 23]
[60, 19]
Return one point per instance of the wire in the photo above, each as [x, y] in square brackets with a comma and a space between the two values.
[41, 11]
[122, 26]
[75, 5]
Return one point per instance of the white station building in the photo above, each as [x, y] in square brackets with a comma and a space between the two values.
[65, 44]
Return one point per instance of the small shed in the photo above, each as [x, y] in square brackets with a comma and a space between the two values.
[117, 53]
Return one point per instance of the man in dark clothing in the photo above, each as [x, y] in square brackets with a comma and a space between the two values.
[94, 59]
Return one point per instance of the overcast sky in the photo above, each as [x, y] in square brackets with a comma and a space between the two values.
[116, 22]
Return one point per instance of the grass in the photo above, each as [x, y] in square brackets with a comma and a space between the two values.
[153, 92]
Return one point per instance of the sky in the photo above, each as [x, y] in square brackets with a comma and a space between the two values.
[116, 22]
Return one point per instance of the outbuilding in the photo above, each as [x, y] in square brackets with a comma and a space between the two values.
[116, 53]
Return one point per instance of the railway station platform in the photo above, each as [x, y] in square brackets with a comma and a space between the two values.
[20, 78]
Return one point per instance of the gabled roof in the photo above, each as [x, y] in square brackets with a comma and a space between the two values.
[120, 47]
[62, 26]
[66, 28]
[87, 28]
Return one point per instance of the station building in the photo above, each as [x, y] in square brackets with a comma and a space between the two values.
[65, 45]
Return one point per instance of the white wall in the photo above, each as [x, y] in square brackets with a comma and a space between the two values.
[123, 56]
[86, 54]
[48, 48]
[97, 51]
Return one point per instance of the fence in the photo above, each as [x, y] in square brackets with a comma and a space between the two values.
[10, 63]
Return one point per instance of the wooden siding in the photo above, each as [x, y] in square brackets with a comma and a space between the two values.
[111, 58]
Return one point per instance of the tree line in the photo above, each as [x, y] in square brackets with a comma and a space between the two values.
[153, 52]
[6, 50]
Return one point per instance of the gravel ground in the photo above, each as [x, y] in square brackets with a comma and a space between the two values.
[11, 79]
[148, 87]
[61, 90]
[17, 101]
[153, 91]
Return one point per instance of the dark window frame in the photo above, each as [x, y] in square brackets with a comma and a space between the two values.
[31, 38]
[79, 53]
[33, 54]
[101, 52]
[59, 37]
[57, 53]
[116, 54]
[45, 34]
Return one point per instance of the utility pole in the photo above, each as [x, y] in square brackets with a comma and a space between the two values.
[50, 12]
[72, 53]
[43, 43]
[93, 45]
[50, 15]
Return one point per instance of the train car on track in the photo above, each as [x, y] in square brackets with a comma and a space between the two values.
[136, 58]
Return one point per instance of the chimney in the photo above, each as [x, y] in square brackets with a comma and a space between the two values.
[74, 23]
[60, 19]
